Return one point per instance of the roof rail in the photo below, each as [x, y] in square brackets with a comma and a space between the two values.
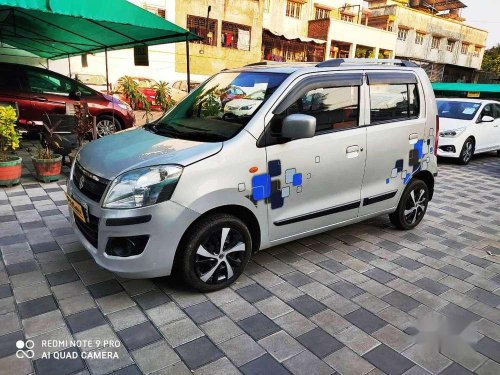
[332, 63]
[262, 63]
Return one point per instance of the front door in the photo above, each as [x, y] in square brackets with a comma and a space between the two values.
[315, 182]
[49, 92]
[396, 141]
[488, 132]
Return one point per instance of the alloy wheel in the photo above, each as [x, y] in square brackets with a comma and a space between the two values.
[105, 127]
[220, 255]
[415, 207]
[468, 151]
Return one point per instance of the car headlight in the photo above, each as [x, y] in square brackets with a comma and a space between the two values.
[124, 106]
[143, 187]
[246, 107]
[451, 133]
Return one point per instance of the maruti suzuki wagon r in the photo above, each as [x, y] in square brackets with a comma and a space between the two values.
[198, 192]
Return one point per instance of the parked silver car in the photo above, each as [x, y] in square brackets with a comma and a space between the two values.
[329, 145]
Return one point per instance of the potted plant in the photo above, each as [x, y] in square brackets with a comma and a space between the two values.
[47, 164]
[10, 165]
[162, 96]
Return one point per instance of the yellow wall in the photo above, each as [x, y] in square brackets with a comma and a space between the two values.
[208, 60]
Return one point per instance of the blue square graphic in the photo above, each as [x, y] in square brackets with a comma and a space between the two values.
[297, 179]
[274, 167]
[261, 187]
[289, 173]
[387, 180]
[419, 146]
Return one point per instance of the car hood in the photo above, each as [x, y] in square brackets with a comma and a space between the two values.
[238, 103]
[452, 123]
[112, 155]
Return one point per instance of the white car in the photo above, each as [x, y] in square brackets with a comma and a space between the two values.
[468, 127]
[245, 106]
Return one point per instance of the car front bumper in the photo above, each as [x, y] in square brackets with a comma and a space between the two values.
[168, 223]
[449, 147]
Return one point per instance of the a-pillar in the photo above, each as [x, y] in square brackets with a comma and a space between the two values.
[377, 50]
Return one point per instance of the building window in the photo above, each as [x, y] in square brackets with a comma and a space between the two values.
[393, 102]
[206, 30]
[293, 9]
[156, 10]
[236, 36]
[450, 46]
[402, 34]
[267, 6]
[419, 39]
[435, 42]
[321, 13]
[464, 48]
[477, 51]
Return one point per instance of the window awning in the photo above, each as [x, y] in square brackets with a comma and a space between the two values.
[297, 38]
[55, 29]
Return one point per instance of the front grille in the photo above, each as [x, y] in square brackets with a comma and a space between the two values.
[89, 230]
[93, 186]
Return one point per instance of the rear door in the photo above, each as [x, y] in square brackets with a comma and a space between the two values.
[396, 143]
[314, 183]
[12, 91]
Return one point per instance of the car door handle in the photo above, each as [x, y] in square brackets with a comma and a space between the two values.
[40, 98]
[353, 151]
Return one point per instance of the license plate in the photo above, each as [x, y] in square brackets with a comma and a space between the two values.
[76, 208]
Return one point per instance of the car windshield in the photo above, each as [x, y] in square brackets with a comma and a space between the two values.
[92, 79]
[457, 109]
[204, 116]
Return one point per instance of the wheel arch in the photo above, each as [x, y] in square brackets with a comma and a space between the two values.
[428, 179]
[241, 212]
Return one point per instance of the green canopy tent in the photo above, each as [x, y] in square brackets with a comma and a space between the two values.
[55, 29]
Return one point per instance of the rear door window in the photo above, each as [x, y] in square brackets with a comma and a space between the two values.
[9, 79]
[393, 97]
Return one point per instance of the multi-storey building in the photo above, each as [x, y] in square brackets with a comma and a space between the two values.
[433, 34]
[235, 33]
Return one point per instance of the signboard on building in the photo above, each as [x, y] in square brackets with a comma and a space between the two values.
[141, 56]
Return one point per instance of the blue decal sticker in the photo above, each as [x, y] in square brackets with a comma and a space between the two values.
[289, 175]
[387, 180]
[399, 165]
[407, 178]
[261, 186]
[297, 179]
[419, 146]
[274, 167]
[285, 192]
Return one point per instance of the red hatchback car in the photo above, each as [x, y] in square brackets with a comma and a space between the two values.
[40, 91]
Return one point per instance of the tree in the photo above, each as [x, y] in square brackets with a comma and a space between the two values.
[491, 60]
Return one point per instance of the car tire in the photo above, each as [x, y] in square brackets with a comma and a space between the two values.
[107, 125]
[467, 151]
[412, 205]
[204, 264]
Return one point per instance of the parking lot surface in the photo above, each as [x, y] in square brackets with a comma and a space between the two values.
[361, 299]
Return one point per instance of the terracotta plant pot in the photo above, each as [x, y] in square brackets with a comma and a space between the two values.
[10, 171]
[47, 170]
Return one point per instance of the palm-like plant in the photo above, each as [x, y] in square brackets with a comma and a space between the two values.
[130, 89]
[162, 96]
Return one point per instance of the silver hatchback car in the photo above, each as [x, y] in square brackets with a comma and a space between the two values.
[203, 188]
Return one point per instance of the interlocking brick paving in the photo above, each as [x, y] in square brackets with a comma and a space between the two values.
[352, 301]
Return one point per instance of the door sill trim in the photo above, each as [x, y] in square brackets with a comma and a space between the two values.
[319, 213]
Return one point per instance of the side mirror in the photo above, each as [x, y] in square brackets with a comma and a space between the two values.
[77, 95]
[487, 119]
[298, 126]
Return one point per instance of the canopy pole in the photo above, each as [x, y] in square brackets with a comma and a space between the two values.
[69, 66]
[188, 68]
[107, 73]
[47, 63]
